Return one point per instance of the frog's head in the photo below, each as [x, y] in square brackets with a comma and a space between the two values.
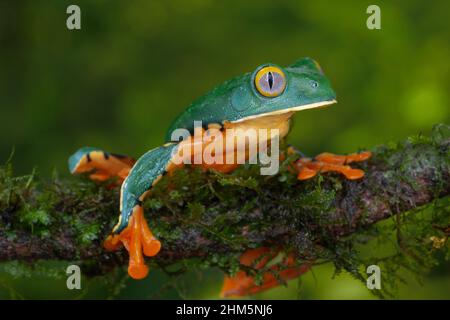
[269, 90]
[272, 90]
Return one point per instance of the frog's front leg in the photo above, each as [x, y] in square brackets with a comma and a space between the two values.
[137, 239]
[132, 230]
[328, 162]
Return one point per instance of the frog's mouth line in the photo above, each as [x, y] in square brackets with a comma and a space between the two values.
[293, 109]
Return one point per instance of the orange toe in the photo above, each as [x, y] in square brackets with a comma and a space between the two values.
[358, 157]
[331, 158]
[136, 268]
[112, 243]
[150, 244]
[137, 271]
[353, 174]
[236, 286]
[347, 171]
[306, 173]
[151, 249]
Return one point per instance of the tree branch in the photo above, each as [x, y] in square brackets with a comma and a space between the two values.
[208, 215]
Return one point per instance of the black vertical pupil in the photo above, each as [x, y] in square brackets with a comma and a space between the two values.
[270, 80]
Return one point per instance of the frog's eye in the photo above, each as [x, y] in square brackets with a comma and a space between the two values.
[314, 84]
[270, 81]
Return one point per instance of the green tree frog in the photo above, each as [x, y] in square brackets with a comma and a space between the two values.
[266, 98]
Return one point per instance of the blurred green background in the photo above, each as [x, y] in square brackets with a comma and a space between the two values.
[119, 81]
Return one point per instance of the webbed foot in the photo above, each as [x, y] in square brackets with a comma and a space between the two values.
[242, 284]
[328, 162]
[138, 240]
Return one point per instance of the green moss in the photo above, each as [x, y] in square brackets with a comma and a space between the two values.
[87, 233]
[37, 220]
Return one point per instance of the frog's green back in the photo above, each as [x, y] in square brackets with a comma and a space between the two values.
[237, 98]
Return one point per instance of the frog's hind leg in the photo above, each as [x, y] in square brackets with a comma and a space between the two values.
[242, 284]
[100, 165]
[132, 230]
[328, 162]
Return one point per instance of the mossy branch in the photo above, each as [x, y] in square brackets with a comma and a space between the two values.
[216, 217]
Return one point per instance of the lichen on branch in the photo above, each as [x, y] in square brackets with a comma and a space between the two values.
[210, 218]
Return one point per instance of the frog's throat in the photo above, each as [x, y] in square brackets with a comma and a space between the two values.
[314, 105]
